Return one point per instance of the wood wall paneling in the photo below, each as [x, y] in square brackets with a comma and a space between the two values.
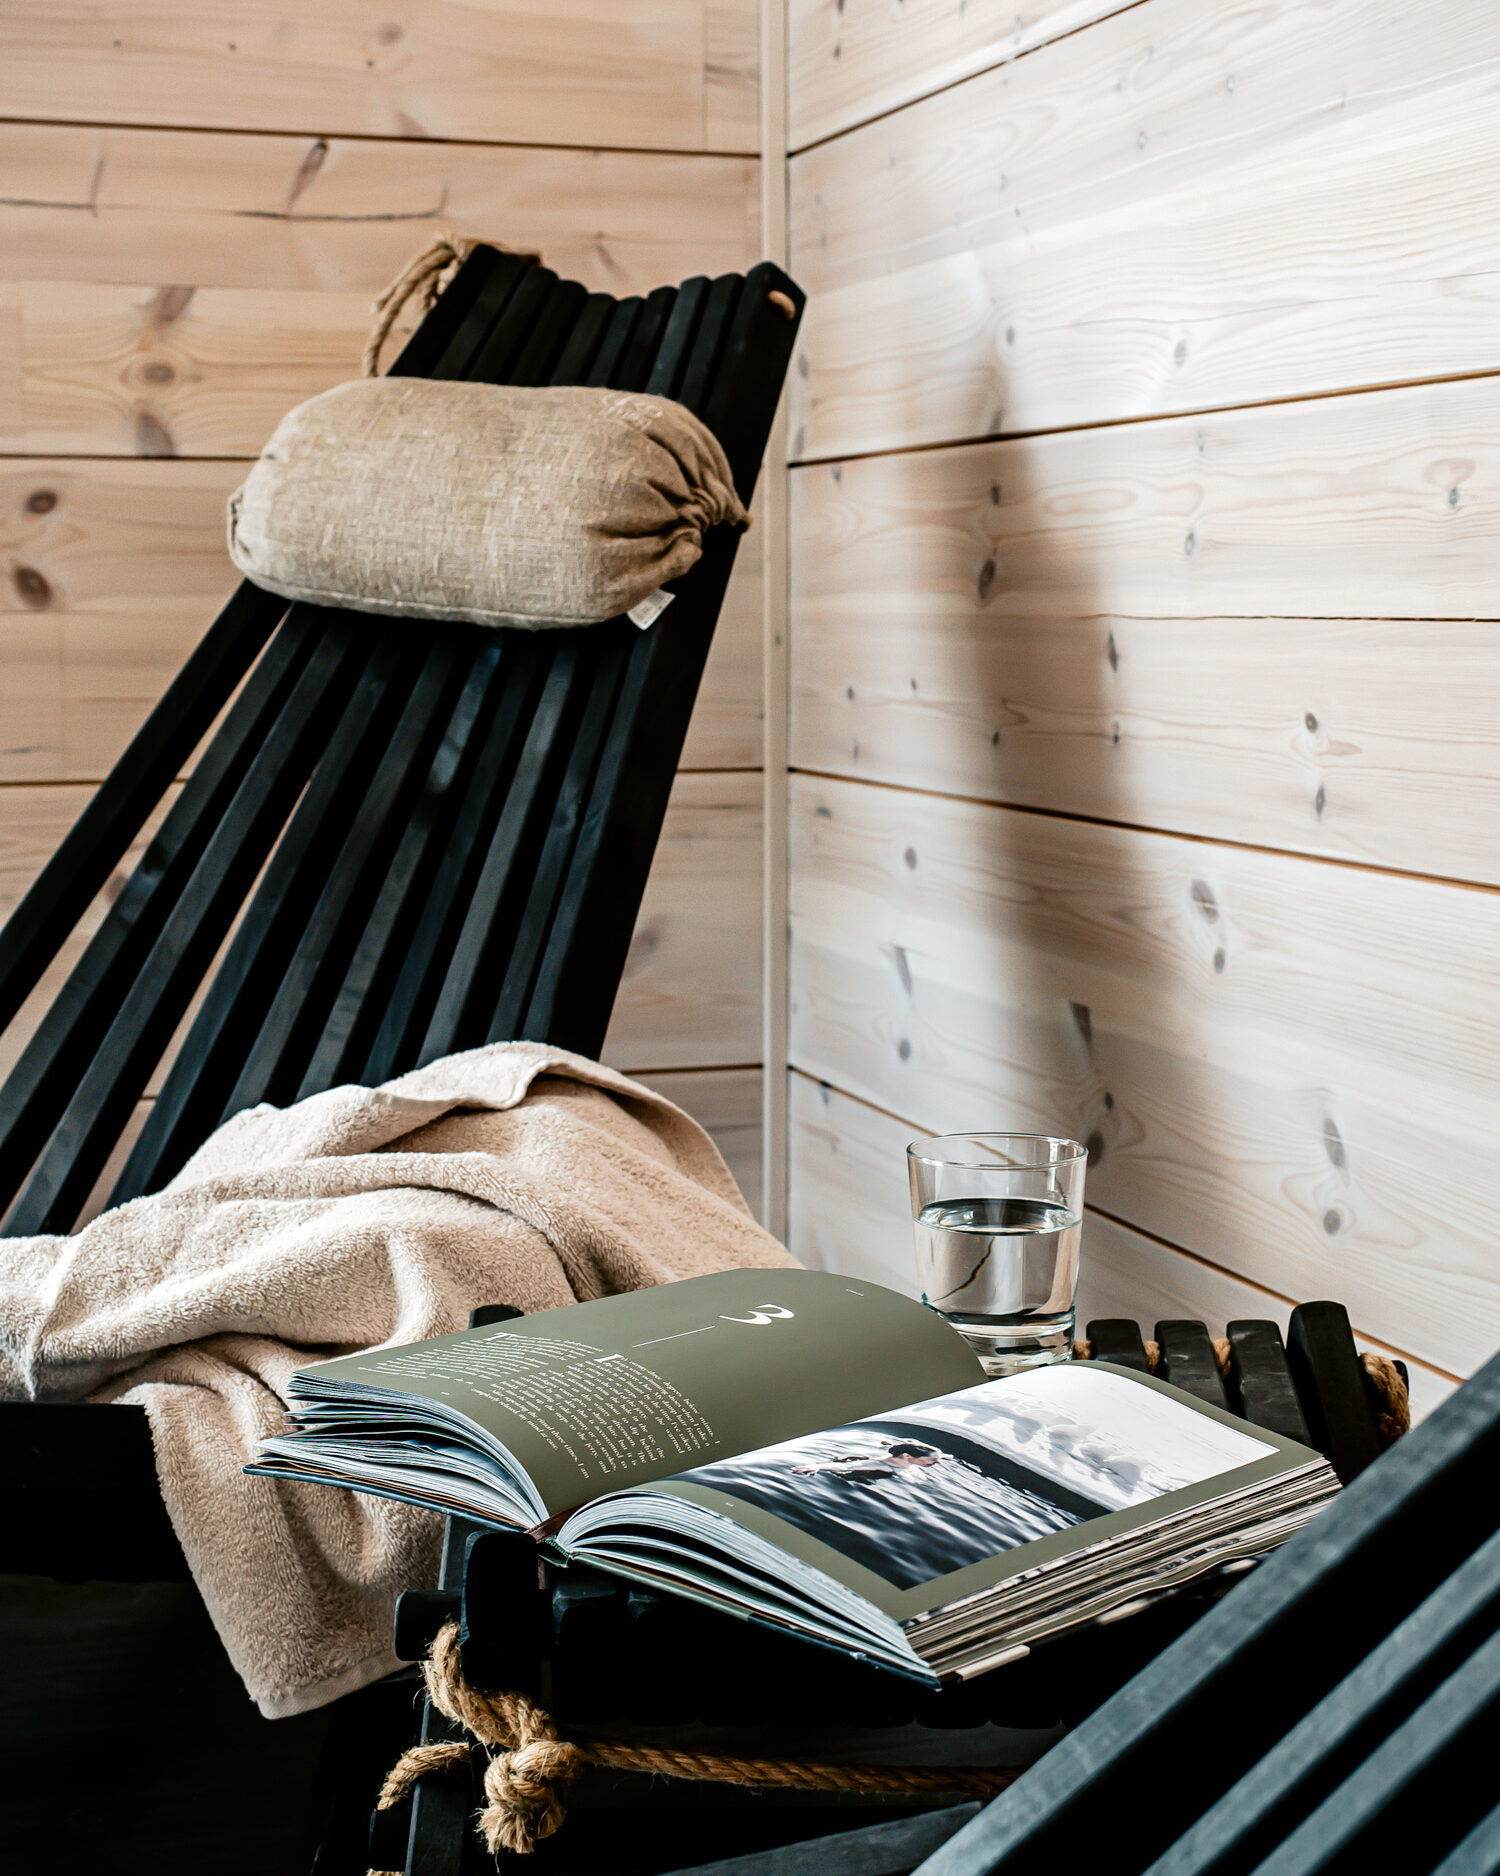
[1383, 505]
[690, 996]
[1159, 94]
[851, 1212]
[1069, 646]
[849, 59]
[109, 574]
[216, 209]
[254, 260]
[672, 74]
[1264, 239]
[1282, 1065]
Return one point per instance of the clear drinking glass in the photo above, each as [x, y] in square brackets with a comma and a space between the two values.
[998, 1217]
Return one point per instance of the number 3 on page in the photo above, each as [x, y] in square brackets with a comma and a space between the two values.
[762, 1314]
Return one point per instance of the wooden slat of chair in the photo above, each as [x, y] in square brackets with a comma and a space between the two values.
[198, 1090]
[1338, 1735]
[1424, 1786]
[1187, 1361]
[1260, 1385]
[58, 1053]
[492, 359]
[155, 756]
[423, 957]
[1118, 1339]
[1330, 1385]
[1177, 1736]
[354, 1014]
[287, 1034]
[447, 341]
[634, 368]
[612, 346]
[160, 992]
[586, 339]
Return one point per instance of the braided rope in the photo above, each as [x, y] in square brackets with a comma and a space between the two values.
[530, 1765]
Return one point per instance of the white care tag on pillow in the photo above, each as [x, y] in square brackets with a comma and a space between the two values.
[650, 608]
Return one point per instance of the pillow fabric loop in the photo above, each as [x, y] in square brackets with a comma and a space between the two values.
[501, 505]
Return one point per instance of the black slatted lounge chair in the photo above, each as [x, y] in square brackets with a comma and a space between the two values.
[419, 842]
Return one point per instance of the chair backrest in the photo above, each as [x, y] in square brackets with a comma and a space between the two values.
[398, 842]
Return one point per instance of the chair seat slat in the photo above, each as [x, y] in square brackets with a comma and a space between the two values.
[447, 339]
[677, 337]
[491, 915]
[351, 1022]
[285, 1036]
[613, 345]
[424, 963]
[544, 884]
[46, 1076]
[588, 336]
[164, 987]
[61, 893]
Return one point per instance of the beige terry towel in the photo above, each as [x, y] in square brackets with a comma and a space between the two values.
[514, 1173]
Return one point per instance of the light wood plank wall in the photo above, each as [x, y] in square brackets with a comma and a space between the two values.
[195, 213]
[1145, 629]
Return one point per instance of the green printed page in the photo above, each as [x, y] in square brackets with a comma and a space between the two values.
[601, 1396]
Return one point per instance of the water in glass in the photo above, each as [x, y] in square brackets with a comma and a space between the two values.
[1003, 1271]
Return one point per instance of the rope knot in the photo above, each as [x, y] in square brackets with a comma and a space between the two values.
[524, 1789]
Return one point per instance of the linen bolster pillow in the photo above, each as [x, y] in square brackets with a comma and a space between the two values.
[497, 504]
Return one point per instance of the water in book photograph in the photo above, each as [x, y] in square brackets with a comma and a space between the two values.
[968, 1476]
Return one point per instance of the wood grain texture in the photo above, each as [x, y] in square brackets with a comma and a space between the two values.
[726, 1103]
[1384, 505]
[109, 574]
[625, 72]
[1099, 123]
[1364, 255]
[1362, 739]
[849, 59]
[166, 208]
[850, 1212]
[1283, 1066]
[690, 995]
[111, 571]
[1290, 197]
[168, 371]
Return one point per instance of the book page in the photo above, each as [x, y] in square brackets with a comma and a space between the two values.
[610, 1394]
[946, 1490]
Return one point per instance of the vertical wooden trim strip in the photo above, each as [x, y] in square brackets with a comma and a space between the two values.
[773, 211]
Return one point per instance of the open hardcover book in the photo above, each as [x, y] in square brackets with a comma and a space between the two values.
[813, 1452]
